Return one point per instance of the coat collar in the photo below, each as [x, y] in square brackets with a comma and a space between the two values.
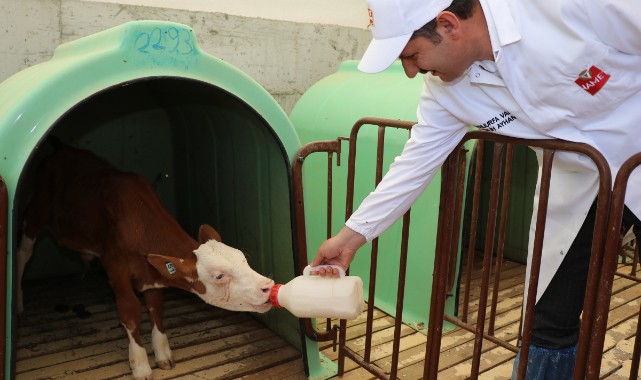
[500, 22]
[503, 31]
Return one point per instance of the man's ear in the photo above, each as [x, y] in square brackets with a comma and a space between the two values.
[207, 233]
[448, 22]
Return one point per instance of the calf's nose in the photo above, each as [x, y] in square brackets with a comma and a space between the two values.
[268, 286]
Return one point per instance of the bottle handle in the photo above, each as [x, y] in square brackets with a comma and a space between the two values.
[309, 268]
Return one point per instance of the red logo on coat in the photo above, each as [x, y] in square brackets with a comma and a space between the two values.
[592, 79]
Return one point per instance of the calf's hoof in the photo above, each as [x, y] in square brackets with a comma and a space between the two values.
[166, 364]
[141, 372]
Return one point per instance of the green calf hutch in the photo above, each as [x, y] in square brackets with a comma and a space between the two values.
[216, 148]
[214, 145]
[329, 109]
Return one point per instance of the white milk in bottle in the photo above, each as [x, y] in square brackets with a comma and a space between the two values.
[312, 296]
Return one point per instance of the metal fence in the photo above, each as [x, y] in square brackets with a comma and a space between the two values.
[456, 214]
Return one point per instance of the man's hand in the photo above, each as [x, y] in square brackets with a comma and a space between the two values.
[338, 250]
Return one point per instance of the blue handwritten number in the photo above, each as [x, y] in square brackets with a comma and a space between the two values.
[174, 35]
[142, 42]
[156, 35]
[180, 39]
[187, 41]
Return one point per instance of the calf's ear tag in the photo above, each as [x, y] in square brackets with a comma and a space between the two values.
[170, 268]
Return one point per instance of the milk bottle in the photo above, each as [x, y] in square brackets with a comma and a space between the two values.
[312, 296]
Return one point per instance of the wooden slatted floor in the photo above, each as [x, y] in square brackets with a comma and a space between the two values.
[55, 342]
[496, 362]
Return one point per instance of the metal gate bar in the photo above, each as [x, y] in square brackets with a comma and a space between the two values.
[339, 332]
[487, 257]
[364, 361]
[507, 181]
[476, 193]
[330, 147]
[449, 228]
[612, 249]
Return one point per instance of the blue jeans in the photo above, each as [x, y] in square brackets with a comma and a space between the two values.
[547, 364]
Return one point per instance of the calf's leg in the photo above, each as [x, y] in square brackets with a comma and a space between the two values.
[129, 312]
[159, 341]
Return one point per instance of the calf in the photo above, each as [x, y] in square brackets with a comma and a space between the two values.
[91, 207]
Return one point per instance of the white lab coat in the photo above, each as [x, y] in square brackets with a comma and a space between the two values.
[529, 91]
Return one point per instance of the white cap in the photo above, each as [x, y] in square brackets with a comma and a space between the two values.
[392, 23]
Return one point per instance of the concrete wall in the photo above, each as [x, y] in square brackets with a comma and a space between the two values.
[285, 45]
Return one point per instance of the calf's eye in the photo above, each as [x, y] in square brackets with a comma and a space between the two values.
[219, 276]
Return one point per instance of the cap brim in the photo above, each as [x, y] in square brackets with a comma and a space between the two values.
[380, 54]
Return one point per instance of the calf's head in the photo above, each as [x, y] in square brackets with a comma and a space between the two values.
[218, 274]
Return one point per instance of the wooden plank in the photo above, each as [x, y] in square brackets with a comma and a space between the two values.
[619, 353]
[291, 370]
[260, 360]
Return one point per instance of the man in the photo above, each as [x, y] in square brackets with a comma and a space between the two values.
[566, 69]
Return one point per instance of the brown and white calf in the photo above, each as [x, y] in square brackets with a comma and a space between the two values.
[89, 206]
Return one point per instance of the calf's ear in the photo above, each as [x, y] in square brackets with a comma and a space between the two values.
[173, 268]
[207, 233]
